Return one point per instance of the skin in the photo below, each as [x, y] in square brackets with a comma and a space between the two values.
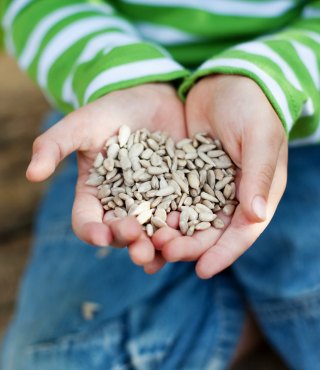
[155, 106]
[231, 108]
[235, 110]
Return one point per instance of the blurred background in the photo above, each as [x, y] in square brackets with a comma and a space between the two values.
[22, 109]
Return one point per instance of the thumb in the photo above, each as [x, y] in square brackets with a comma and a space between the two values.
[50, 148]
[260, 153]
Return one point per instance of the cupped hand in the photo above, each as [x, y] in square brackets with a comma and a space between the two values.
[152, 106]
[235, 110]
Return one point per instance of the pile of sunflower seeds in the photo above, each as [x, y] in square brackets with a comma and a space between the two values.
[147, 175]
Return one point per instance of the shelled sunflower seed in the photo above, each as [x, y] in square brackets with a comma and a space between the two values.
[147, 175]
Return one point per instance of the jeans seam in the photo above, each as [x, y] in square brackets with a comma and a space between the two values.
[308, 307]
[226, 341]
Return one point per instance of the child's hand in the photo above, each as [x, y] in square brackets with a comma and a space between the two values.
[153, 106]
[235, 110]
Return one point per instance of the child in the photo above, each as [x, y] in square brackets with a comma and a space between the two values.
[257, 86]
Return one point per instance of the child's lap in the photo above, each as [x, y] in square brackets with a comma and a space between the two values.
[171, 320]
[280, 274]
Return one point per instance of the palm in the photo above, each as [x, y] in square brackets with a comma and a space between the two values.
[155, 107]
[254, 138]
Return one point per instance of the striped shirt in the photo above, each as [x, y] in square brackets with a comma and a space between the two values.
[80, 50]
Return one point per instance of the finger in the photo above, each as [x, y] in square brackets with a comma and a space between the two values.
[173, 219]
[163, 235]
[142, 250]
[242, 233]
[125, 231]
[87, 223]
[53, 146]
[260, 151]
[155, 265]
[190, 248]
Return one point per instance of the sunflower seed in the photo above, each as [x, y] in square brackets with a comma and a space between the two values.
[149, 230]
[193, 179]
[203, 226]
[158, 222]
[104, 192]
[144, 187]
[108, 164]
[98, 161]
[215, 153]
[124, 134]
[228, 209]
[112, 140]
[136, 150]
[165, 191]
[157, 170]
[218, 223]
[206, 148]
[95, 180]
[184, 186]
[220, 196]
[120, 212]
[147, 175]
[207, 216]
[156, 202]
[183, 142]
[202, 208]
[147, 154]
[113, 150]
[156, 160]
[145, 216]
[222, 183]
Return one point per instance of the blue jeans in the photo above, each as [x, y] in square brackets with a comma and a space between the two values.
[172, 320]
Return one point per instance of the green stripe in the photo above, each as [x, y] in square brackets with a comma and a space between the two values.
[303, 128]
[294, 97]
[120, 55]
[52, 33]
[192, 55]
[289, 54]
[167, 77]
[63, 66]
[23, 27]
[204, 23]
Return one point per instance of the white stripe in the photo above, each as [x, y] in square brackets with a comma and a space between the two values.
[311, 12]
[165, 35]
[313, 35]
[13, 10]
[129, 72]
[34, 41]
[258, 48]
[105, 42]
[272, 85]
[69, 36]
[309, 59]
[265, 51]
[267, 8]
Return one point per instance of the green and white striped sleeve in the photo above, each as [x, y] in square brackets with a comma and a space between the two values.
[80, 50]
[286, 66]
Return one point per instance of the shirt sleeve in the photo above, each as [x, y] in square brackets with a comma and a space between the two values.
[80, 50]
[286, 66]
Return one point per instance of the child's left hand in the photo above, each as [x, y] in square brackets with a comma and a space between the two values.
[235, 110]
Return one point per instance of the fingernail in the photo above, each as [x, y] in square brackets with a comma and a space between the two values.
[259, 207]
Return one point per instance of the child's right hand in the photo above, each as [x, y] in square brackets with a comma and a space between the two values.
[153, 106]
